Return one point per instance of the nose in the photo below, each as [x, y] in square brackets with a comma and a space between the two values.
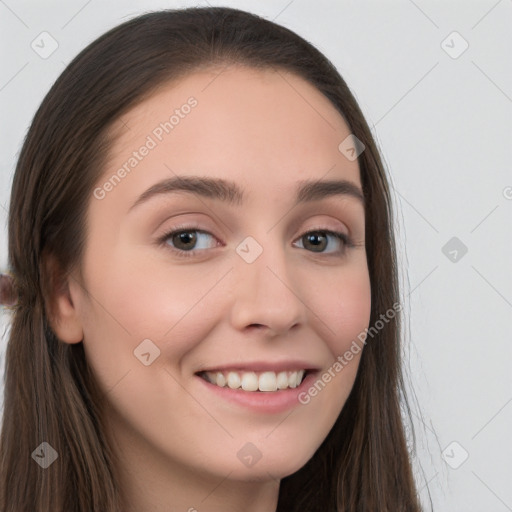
[265, 295]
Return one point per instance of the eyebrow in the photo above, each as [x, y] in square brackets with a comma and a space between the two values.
[230, 193]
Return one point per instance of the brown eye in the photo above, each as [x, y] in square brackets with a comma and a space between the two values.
[184, 240]
[318, 240]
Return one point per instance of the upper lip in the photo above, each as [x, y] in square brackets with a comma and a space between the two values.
[261, 366]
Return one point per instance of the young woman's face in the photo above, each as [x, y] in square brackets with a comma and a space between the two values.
[252, 290]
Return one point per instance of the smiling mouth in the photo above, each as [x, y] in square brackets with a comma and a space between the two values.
[255, 381]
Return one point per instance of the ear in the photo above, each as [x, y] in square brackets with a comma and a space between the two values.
[63, 314]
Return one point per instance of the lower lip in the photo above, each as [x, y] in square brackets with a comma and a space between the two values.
[262, 401]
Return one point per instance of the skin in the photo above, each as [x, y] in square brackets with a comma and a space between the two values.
[177, 444]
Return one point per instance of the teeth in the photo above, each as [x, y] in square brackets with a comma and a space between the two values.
[233, 380]
[220, 380]
[267, 381]
[282, 380]
[251, 381]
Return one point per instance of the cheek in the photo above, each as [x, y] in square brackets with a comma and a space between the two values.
[136, 299]
[343, 306]
[175, 306]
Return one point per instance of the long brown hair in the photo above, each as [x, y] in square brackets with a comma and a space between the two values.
[50, 396]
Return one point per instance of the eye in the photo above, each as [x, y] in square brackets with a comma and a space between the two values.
[318, 239]
[187, 241]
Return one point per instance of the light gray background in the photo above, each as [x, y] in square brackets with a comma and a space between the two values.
[444, 128]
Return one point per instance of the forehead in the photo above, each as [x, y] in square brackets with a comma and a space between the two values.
[266, 129]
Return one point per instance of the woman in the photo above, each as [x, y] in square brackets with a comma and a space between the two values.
[200, 240]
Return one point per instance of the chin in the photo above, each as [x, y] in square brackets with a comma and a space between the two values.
[267, 464]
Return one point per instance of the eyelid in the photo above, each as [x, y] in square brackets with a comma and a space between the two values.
[344, 238]
[185, 226]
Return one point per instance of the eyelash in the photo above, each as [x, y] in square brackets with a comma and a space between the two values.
[343, 237]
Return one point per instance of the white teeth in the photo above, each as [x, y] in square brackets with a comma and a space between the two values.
[282, 380]
[251, 381]
[220, 380]
[233, 380]
[267, 381]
